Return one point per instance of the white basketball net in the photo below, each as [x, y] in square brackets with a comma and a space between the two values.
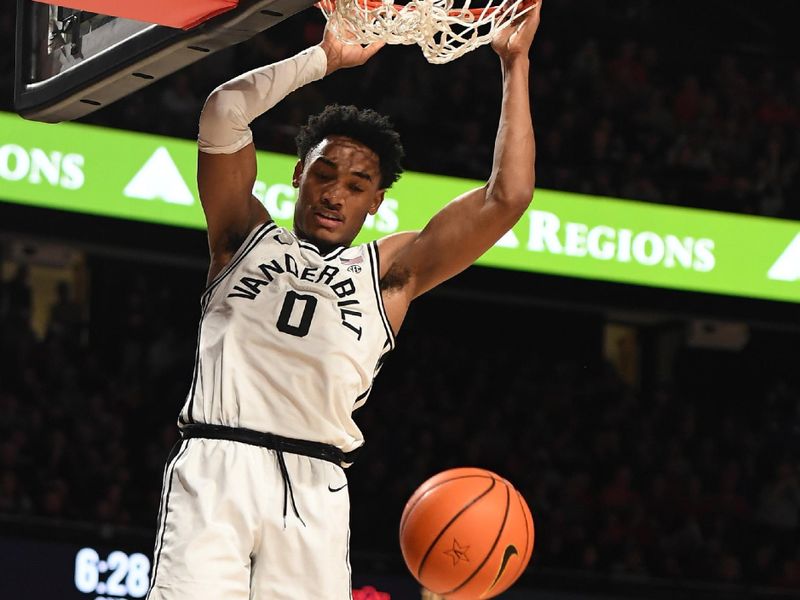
[443, 32]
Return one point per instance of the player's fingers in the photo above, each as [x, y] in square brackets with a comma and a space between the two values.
[513, 12]
[531, 20]
[371, 50]
[521, 14]
[535, 13]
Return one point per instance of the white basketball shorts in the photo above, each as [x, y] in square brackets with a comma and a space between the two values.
[222, 533]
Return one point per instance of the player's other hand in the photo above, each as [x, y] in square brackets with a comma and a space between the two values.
[516, 39]
[342, 56]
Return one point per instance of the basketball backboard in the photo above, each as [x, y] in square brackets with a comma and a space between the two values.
[71, 62]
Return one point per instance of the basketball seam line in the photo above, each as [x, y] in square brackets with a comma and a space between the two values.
[447, 526]
[433, 487]
[494, 545]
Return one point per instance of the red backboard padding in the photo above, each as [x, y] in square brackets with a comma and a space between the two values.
[183, 14]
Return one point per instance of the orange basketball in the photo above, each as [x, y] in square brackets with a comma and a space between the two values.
[466, 533]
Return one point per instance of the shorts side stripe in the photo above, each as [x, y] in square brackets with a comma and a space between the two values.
[163, 510]
[349, 571]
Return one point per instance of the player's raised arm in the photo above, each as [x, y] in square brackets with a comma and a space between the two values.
[472, 223]
[226, 165]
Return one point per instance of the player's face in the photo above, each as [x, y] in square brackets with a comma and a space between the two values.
[339, 185]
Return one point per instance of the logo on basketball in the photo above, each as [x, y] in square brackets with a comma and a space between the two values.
[457, 552]
[510, 551]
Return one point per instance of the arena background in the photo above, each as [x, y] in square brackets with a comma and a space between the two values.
[655, 432]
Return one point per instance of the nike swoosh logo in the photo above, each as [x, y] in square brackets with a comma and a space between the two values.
[510, 551]
[338, 489]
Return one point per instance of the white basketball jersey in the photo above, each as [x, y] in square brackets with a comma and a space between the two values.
[290, 340]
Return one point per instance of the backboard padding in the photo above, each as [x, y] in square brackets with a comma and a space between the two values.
[56, 84]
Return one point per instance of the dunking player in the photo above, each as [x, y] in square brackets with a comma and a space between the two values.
[295, 324]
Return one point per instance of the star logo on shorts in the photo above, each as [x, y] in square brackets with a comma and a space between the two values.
[457, 552]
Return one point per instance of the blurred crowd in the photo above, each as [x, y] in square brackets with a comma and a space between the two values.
[641, 102]
[694, 477]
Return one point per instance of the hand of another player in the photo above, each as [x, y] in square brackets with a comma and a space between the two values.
[516, 39]
[342, 56]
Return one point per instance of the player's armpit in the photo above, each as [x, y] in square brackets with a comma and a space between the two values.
[395, 277]
[390, 246]
[456, 237]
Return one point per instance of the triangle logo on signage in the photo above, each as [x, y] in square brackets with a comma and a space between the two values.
[787, 267]
[159, 179]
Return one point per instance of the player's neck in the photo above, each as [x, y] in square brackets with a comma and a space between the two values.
[321, 245]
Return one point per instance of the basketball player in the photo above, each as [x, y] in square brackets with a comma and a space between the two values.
[296, 323]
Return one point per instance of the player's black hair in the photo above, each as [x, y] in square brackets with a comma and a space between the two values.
[366, 126]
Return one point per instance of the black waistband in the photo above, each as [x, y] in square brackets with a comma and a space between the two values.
[270, 440]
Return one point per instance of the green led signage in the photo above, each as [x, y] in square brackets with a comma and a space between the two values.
[149, 178]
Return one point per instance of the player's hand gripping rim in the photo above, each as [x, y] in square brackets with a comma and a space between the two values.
[516, 39]
[342, 55]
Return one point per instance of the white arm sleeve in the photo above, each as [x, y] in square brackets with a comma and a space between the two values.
[230, 108]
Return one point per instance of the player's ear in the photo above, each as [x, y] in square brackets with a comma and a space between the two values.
[376, 201]
[298, 171]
